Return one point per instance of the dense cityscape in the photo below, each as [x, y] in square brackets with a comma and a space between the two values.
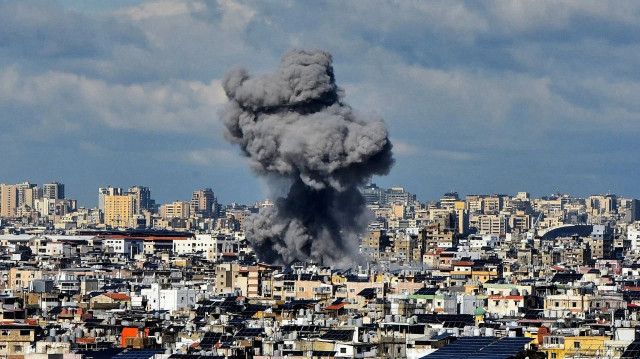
[267, 179]
[494, 274]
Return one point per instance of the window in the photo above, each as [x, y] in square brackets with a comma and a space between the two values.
[300, 289]
[574, 304]
[343, 350]
[557, 304]
[289, 286]
[576, 345]
[554, 355]
[17, 348]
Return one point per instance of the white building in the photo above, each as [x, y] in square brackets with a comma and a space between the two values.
[213, 245]
[477, 242]
[168, 299]
[633, 234]
[129, 246]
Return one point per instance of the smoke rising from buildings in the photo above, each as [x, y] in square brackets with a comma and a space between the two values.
[292, 124]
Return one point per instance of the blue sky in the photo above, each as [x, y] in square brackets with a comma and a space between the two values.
[479, 97]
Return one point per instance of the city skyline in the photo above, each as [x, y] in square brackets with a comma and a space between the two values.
[480, 98]
[94, 202]
[150, 201]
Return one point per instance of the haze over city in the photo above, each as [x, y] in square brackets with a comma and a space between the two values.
[494, 97]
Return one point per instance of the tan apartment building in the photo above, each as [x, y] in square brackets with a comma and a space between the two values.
[8, 200]
[118, 210]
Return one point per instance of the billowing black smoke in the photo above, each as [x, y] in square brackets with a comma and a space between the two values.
[293, 125]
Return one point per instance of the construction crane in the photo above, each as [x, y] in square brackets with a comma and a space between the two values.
[534, 230]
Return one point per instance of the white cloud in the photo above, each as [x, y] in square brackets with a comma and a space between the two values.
[453, 155]
[493, 77]
[404, 149]
[235, 15]
[163, 8]
[210, 156]
[176, 106]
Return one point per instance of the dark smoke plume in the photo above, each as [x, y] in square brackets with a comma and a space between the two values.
[292, 124]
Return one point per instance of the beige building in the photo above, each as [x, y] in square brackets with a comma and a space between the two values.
[407, 248]
[178, 209]
[15, 339]
[110, 301]
[118, 210]
[492, 204]
[20, 278]
[520, 221]
[504, 305]
[492, 224]
[8, 200]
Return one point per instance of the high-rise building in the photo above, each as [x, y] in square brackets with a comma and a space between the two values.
[118, 210]
[602, 204]
[374, 195]
[27, 194]
[53, 190]
[492, 224]
[629, 210]
[399, 195]
[8, 200]
[203, 202]
[107, 191]
[448, 201]
[178, 209]
[143, 199]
